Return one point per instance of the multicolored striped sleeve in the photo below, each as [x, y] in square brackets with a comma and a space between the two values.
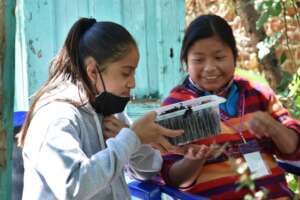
[273, 106]
[282, 115]
[179, 94]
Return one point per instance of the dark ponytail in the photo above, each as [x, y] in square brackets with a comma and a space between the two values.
[72, 41]
[72, 47]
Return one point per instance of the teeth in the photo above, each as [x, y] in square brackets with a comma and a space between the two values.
[211, 77]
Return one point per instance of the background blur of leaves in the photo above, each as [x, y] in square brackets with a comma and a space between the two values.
[289, 88]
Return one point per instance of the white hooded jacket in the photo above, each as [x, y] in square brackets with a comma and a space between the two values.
[66, 157]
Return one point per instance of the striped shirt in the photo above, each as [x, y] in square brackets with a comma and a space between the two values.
[218, 179]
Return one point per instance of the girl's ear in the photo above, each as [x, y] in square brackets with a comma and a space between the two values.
[184, 67]
[91, 69]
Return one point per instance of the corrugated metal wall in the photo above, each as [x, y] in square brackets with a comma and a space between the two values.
[157, 25]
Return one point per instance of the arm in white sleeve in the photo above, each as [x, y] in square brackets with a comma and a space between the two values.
[145, 162]
[66, 169]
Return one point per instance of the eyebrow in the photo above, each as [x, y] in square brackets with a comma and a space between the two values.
[219, 51]
[128, 67]
[200, 54]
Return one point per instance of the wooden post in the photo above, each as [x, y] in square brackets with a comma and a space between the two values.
[7, 60]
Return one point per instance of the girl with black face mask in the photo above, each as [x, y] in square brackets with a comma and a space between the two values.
[73, 145]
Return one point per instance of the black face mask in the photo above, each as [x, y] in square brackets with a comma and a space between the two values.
[107, 103]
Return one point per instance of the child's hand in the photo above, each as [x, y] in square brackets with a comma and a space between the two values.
[195, 152]
[261, 125]
[112, 126]
[149, 132]
[264, 125]
[184, 172]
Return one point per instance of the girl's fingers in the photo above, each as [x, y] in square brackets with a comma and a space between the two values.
[168, 132]
[112, 128]
[166, 144]
[191, 151]
[196, 152]
[159, 147]
[180, 150]
[115, 122]
[108, 134]
[256, 128]
[261, 124]
[200, 154]
[118, 123]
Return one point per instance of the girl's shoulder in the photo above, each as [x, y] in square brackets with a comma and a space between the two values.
[253, 87]
[56, 110]
[178, 94]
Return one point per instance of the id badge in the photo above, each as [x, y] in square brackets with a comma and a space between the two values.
[251, 153]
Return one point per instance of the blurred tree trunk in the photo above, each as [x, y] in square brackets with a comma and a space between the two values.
[269, 64]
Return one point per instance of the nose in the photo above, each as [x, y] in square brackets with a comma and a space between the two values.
[209, 65]
[131, 82]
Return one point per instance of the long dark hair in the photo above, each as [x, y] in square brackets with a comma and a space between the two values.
[104, 41]
[206, 26]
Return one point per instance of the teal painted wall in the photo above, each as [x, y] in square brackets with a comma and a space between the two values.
[157, 25]
[7, 95]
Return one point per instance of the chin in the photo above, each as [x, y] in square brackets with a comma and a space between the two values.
[125, 95]
[211, 89]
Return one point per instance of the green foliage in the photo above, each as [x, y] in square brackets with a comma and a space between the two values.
[271, 41]
[282, 87]
[267, 8]
[289, 93]
[294, 86]
[289, 88]
[283, 58]
[266, 46]
[292, 182]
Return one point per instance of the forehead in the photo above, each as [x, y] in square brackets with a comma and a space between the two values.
[209, 45]
[128, 62]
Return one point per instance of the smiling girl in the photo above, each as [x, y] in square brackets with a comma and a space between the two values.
[254, 123]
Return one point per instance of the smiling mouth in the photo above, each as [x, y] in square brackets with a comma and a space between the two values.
[211, 78]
